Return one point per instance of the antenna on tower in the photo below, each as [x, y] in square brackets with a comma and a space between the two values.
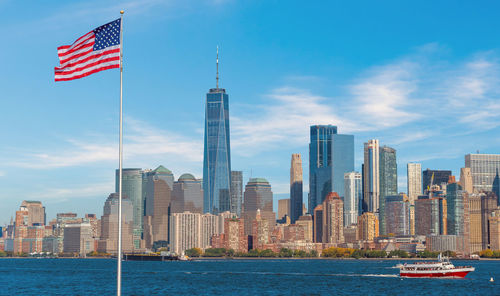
[217, 78]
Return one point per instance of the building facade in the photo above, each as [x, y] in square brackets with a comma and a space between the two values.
[187, 195]
[438, 177]
[333, 219]
[397, 215]
[320, 162]
[258, 197]
[414, 181]
[295, 187]
[217, 153]
[353, 194]
[236, 192]
[485, 169]
[132, 188]
[388, 181]
[342, 160]
[367, 227]
[371, 179]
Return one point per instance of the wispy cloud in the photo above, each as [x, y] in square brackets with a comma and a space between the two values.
[2, 173]
[60, 194]
[142, 142]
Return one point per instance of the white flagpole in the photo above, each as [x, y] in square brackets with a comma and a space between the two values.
[119, 257]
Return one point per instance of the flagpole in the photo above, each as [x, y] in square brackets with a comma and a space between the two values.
[119, 257]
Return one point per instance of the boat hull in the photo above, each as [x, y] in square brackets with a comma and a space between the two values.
[449, 274]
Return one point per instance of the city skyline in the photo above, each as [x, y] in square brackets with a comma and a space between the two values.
[68, 157]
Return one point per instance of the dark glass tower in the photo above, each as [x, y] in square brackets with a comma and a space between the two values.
[320, 162]
[388, 181]
[217, 156]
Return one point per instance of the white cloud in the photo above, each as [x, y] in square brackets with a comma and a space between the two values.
[66, 193]
[141, 143]
[2, 173]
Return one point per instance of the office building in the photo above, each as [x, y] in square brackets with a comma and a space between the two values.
[431, 215]
[466, 180]
[283, 208]
[458, 215]
[236, 192]
[258, 196]
[260, 231]
[388, 181]
[187, 195]
[342, 160]
[489, 203]
[295, 188]
[320, 163]
[108, 242]
[474, 200]
[438, 177]
[397, 215]
[78, 238]
[494, 230]
[132, 188]
[414, 180]
[485, 170]
[157, 191]
[217, 151]
[371, 174]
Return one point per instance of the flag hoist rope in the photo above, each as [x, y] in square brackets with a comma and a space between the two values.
[119, 256]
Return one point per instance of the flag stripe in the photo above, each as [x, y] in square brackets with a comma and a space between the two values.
[65, 48]
[88, 56]
[79, 52]
[63, 53]
[88, 69]
[88, 64]
[88, 73]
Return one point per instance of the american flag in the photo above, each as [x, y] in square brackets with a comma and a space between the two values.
[95, 51]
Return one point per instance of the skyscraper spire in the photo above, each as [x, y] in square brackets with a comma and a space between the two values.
[217, 77]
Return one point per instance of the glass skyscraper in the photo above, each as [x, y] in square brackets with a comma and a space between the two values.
[388, 181]
[342, 160]
[320, 161]
[132, 188]
[217, 157]
[236, 192]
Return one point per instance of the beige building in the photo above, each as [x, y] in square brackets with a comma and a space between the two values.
[283, 208]
[367, 227]
[260, 231]
[333, 219]
[108, 242]
[78, 238]
[306, 222]
[494, 226]
[476, 243]
[414, 181]
[466, 180]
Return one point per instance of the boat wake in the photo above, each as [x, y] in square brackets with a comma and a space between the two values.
[297, 274]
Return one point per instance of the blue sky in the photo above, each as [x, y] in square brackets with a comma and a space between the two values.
[422, 78]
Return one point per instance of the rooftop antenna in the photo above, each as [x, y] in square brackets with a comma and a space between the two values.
[217, 78]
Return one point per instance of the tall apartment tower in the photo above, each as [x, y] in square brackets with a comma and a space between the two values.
[367, 227]
[236, 192]
[352, 197]
[485, 170]
[371, 178]
[388, 181]
[295, 188]
[414, 180]
[217, 151]
[333, 216]
[320, 163]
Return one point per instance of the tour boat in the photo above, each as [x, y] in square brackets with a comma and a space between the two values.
[442, 268]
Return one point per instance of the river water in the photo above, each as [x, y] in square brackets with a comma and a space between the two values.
[235, 277]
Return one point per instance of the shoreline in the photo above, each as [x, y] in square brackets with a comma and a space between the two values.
[274, 258]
